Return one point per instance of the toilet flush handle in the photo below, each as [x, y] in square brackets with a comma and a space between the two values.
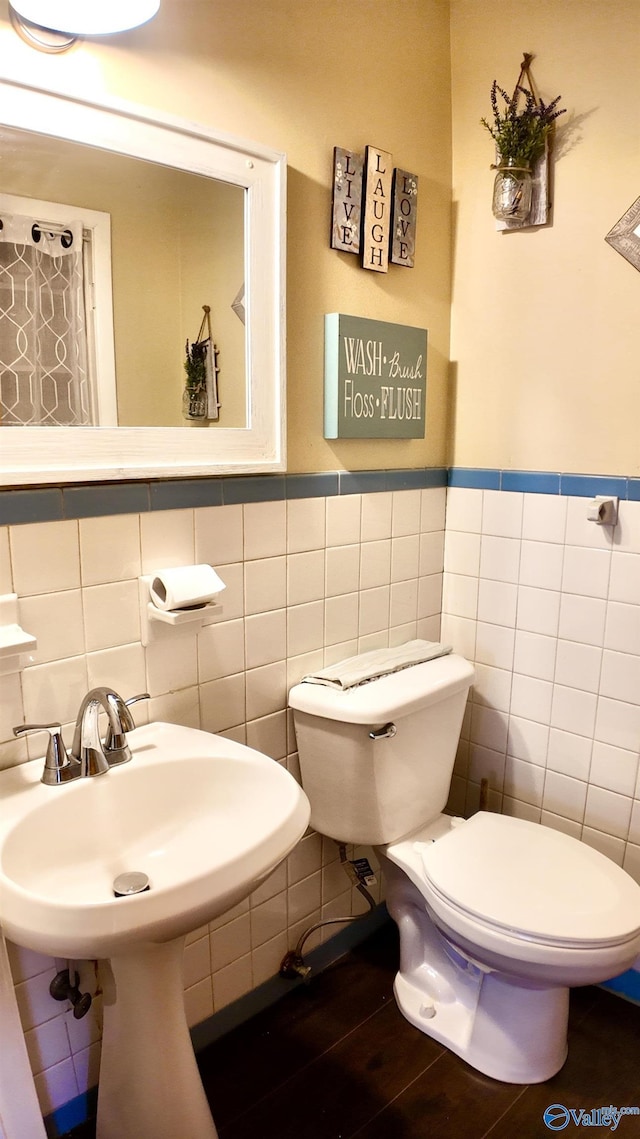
[387, 732]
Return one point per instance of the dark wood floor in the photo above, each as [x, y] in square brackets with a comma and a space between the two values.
[336, 1060]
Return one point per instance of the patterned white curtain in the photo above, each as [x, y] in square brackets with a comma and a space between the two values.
[43, 343]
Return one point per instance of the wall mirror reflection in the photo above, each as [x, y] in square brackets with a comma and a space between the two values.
[141, 266]
[169, 241]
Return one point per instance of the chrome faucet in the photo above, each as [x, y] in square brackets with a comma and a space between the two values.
[88, 755]
[87, 747]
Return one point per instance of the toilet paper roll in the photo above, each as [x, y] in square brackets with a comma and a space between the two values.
[595, 510]
[184, 587]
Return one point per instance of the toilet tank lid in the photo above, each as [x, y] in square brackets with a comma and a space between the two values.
[395, 695]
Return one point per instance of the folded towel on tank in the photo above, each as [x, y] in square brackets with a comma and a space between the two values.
[376, 663]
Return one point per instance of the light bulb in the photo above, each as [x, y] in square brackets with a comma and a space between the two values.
[87, 17]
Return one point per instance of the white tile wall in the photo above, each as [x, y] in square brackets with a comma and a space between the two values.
[545, 603]
[308, 582]
[555, 710]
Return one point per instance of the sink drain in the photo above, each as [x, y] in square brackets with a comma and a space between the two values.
[132, 882]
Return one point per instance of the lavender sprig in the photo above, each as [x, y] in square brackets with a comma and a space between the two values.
[520, 132]
[195, 366]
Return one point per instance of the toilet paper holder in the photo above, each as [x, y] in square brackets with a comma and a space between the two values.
[158, 623]
[603, 510]
[16, 645]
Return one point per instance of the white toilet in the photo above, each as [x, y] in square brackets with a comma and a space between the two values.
[498, 917]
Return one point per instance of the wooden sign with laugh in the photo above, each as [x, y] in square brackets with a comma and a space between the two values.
[374, 209]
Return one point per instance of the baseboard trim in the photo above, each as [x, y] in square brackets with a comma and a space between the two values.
[272, 990]
[627, 985]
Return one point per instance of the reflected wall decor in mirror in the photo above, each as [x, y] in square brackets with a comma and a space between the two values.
[170, 219]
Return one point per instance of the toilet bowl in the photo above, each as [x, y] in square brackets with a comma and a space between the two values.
[498, 917]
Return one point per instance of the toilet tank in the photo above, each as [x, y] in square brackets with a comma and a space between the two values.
[374, 791]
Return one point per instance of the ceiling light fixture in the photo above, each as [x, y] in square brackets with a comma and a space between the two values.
[86, 17]
[42, 39]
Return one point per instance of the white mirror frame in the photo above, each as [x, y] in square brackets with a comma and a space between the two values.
[37, 455]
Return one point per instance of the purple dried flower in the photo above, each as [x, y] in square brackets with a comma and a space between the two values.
[520, 132]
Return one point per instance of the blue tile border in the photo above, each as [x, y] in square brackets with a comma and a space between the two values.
[72, 1114]
[435, 477]
[179, 494]
[408, 479]
[372, 482]
[531, 482]
[588, 485]
[479, 478]
[98, 499]
[626, 985]
[362, 482]
[93, 500]
[545, 482]
[18, 506]
[322, 485]
[253, 488]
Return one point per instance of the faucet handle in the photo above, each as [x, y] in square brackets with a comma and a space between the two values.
[58, 766]
[140, 696]
[115, 745]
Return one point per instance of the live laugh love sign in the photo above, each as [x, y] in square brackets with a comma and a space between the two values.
[374, 208]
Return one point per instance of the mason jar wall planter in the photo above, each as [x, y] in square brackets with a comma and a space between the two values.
[194, 403]
[512, 191]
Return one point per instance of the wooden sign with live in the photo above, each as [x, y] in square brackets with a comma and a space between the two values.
[374, 208]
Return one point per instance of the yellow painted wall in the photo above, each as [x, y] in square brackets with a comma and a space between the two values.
[303, 76]
[545, 335]
[545, 328]
[218, 227]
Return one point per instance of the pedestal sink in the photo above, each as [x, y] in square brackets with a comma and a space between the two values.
[206, 820]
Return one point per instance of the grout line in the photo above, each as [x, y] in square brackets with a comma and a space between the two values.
[506, 1111]
[294, 1075]
[443, 1053]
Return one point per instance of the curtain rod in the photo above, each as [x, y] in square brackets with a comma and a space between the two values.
[57, 228]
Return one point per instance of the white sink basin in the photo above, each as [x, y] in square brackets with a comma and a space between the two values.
[204, 818]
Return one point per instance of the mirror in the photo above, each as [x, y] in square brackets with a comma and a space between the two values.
[195, 220]
[173, 241]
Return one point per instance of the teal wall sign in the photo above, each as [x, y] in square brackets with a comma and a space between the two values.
[375, 379]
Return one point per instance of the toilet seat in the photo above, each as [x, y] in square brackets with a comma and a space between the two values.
[488, 950]
[531, 883]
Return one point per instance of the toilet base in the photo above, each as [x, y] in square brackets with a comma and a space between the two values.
[528, 1047]
[508, 1028]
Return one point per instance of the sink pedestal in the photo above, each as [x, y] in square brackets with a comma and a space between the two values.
[150, 1087]
[207, 820]
[20, 1113]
